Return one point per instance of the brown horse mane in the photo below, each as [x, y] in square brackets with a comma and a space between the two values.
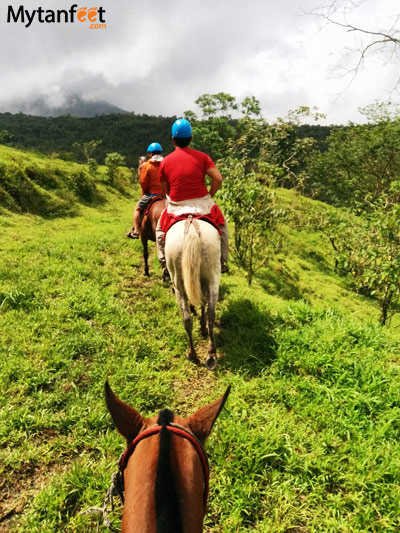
[168, 513]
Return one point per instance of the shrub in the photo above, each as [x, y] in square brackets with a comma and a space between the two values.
[113, 161]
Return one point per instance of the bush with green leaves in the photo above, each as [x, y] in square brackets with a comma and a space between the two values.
[252, 209]
[92, 166]
[378, 254]
[367, 249]
[83, 185]
[113, 161]
[259, 157]
[248, 203]
[5, 136]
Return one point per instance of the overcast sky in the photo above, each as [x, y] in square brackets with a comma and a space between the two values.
[157, 57]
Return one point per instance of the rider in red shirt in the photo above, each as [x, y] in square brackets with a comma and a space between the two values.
[183, 172]
[182, 177]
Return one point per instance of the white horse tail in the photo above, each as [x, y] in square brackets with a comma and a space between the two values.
[191, 262]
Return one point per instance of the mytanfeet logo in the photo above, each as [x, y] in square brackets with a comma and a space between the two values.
[94, 16]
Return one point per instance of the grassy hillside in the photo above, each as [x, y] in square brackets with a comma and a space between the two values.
[33, 183]
[309, 440]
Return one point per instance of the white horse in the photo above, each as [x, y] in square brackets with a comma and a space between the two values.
[193, 252]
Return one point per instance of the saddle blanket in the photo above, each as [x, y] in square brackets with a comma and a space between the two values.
[214, 217]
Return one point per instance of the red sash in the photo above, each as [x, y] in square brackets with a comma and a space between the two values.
[214, 217]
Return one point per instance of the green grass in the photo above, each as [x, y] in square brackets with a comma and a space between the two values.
[309, 441]
[33, 183]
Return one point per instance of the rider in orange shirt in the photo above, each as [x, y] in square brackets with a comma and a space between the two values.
[149, 180]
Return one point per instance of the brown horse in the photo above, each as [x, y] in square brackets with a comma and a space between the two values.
[164, 467]
[148, 228]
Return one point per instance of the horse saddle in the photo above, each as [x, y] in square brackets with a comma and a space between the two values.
[152, 201]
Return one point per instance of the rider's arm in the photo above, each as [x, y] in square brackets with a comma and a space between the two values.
[163, 180]
[216, 179]
[164, 187]
[144, 179]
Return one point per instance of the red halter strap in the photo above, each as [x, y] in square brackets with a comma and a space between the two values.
[181, 432]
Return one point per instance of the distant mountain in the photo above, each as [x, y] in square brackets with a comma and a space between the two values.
[73, 105]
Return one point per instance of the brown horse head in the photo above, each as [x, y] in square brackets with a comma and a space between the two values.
[164, 466]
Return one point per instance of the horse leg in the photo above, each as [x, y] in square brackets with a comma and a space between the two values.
[145, 257]
[211, 361]
[188, 323]
[203, 322]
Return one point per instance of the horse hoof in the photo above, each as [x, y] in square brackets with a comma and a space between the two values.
[193, 358]
[211, 362]
[165, 275]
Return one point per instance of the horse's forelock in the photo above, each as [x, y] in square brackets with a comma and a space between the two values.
[168, 511]
[165, 417]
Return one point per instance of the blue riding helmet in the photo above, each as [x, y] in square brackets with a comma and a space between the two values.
[181, 129]
[154, 147]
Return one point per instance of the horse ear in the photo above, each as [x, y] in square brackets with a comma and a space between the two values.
[129, 422]
[202, 421]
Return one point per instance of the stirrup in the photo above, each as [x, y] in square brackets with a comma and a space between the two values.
[132, 234]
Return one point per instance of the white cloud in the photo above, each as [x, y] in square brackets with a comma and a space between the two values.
[158, 59]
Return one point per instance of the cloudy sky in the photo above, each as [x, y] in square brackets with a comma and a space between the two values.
[157, 57]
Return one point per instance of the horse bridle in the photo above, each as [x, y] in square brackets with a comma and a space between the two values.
[180, 431]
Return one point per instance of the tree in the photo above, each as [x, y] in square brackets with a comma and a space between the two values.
[217, 105]
[368, 249]
[252, 208]
[248, 201]
[361, 170]
[87, 150]
[216, 126]
[276, 144]
[361, 159]
[370, 42]
[5, 137]
[283, 152]
[381, 256]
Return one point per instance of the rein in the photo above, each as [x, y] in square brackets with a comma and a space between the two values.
[180, 431]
